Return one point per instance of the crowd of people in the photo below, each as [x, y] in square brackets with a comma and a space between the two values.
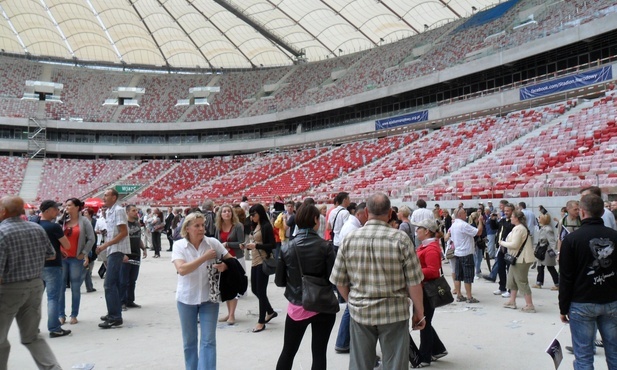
[371, 256]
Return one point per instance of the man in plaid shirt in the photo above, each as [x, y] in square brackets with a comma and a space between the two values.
[24, 247]
[377, 271]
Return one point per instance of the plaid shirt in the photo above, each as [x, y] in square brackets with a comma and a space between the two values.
[378, 264]
[24, 247]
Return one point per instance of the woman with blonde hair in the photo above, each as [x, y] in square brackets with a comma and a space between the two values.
[323, 208]
[195, 257]
[403, 214]
[518, 279]
[547, 235]
[230, 232]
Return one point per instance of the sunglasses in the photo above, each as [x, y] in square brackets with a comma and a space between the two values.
[252, 214]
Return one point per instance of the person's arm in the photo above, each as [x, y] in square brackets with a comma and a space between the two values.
[89, 236]
[123, 232]
[516, 241]
[567, 275]
[280, 276]
[480, 226]
[238, 233]
[267, 237]
[432, 259]
[184, 268]
[143, 248]
[344, 291]
[417, 295]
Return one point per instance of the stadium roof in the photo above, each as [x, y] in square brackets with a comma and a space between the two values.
[215, 33]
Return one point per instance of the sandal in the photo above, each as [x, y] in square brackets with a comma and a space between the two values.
[472, 300]
[460, 298]
[509, 305]
[529, 309]
[73, 320]
[223, 319]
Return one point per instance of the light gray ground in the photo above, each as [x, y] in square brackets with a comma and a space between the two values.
[477, 336]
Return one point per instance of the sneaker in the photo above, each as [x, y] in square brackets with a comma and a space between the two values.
[110, 324]
[124, 307]
[439, 355]
[569, 349]
[91, 290]
[499, 292]
[598, 343]
[341, 350]
[133, 305]
[479, 275]
[61, 333]
[104, 318]
[505, 295]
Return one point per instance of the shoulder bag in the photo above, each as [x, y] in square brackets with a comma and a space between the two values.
[438, 291]
[511, 259]
[268, 265]
[541, 249]
[317, 293]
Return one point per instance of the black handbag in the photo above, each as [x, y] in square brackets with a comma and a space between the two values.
[438, 291]
[511, 259]
[317, 293]
[541, 249]
[268, 265]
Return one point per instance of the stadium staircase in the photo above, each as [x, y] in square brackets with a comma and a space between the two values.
[32, 179]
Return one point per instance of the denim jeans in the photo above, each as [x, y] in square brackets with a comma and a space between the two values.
[72, 270]
[52, 277]
[207, 312]
[491, 248]
[583, 320]
[499, 269]
[128, 278]
[342, 339]
[87, 276]
[477, 259]
[112, 286]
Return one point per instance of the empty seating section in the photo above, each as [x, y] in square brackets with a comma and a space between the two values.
[84, 93]
[162, 94]
[13, 170]
[14, 73]
[17, 108]
[66, 178]
[237, 90]
[261, 168]
[148, 172]
[190, 173]
[327, 167]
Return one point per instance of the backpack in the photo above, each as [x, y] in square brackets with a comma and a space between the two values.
[210, 227]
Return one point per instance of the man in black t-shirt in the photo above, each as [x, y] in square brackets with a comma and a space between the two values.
[52, 272]
[130, 268]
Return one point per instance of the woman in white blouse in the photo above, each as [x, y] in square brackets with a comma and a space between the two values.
[518, 280]
[195, 257]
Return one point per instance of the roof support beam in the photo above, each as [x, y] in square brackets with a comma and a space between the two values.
[349, 22]
[447, 5]
[399, 16]
[222, 33]
[301, 26]
[259, 28]
[162, 5]
[149, 32]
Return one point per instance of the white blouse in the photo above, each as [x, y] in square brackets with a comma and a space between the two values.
[194, 288]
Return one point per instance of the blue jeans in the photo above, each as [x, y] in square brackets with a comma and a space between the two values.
[492, 249]
[583, 320]
[112, 286]
[52, 277]
[207, 312]
[86, 276]
[128, 278]
[477, 260]
[342, 339]
[72, 270]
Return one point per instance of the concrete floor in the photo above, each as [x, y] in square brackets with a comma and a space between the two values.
[477, 336]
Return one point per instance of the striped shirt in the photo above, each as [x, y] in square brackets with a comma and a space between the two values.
[378, 264]
[24, 247]
[116, 216]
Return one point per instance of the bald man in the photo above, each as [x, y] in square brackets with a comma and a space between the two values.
[24, 247]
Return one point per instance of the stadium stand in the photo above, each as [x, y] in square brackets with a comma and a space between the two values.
[67, 178]
[13, 170]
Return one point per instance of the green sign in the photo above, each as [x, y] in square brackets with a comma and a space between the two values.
[126, 189]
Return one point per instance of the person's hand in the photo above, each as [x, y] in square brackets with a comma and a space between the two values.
[220, 266]
[86, 262]
[100, 248]
[250, 246]
[81, 256]
[564, 319]
[418, 323]
[125, 259]
[210, 254]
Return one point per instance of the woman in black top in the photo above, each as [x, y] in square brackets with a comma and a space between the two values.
[261, 243]
[317, 258]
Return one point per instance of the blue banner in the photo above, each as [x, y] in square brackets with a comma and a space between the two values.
[567, 83]
[406, 119]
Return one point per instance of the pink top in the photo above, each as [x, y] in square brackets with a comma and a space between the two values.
[298, 313]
